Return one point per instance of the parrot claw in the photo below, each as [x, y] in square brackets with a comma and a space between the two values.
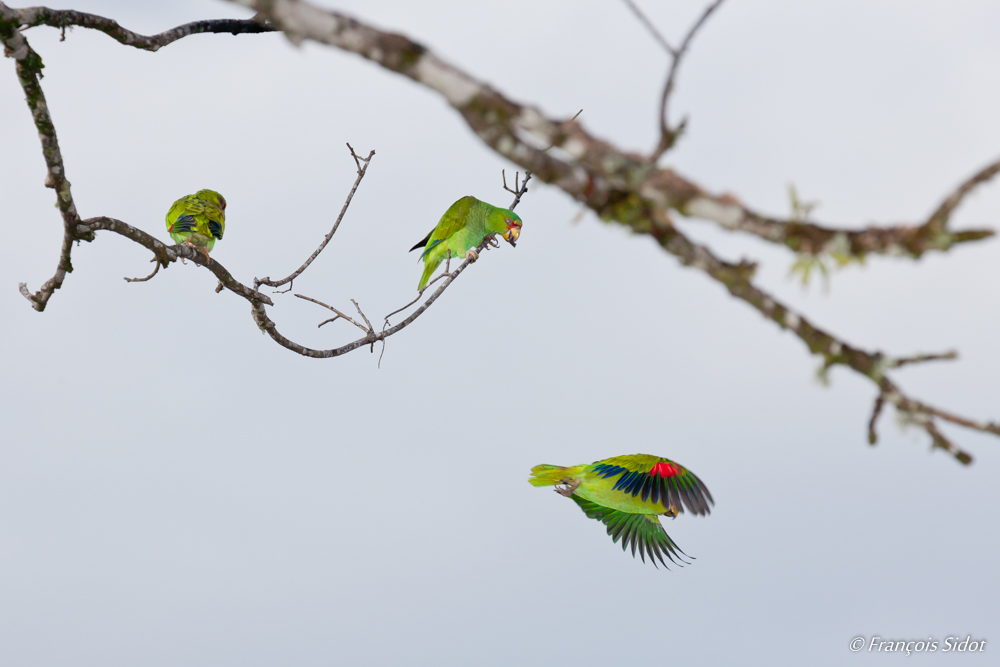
[569, 489]
[492, 241]
[472, 254]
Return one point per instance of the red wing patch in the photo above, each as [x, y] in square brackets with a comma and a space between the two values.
[664, 469]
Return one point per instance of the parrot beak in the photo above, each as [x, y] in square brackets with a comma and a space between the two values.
[512, 235]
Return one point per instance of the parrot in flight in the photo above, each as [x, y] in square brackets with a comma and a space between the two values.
[198, 220]
[463, 227]
[626, 493]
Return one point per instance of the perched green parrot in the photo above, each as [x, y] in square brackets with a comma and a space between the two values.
[198, 220]
[626, 493]
[461, 229]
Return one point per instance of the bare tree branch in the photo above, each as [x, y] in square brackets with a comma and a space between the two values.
[626, 188]
[298, 272]
[920, 358]
[150, 276]
[669, 135]
[372, 337]
[339, 314]
[938, 221]
[30, 17]
[617, 185]
[651, 28]
[29, 72]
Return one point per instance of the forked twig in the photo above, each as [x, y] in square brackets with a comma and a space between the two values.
[339, 314]
[669, 135]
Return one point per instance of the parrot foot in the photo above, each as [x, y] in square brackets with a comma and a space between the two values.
[471, 254]
[492, 241]
[208, 260]
[671, 512]
[569, 489]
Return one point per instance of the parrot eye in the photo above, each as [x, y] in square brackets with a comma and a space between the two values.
[222, 202]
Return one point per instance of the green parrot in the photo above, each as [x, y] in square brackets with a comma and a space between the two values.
[626, 493]
[198, 220]
[461, 229]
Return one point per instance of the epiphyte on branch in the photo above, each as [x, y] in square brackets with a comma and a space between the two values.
[463, 227]
[626, 493]
[198, 220]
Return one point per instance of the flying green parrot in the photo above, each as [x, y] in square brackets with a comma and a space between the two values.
[626, 493]
[198, 220]
[461, 229]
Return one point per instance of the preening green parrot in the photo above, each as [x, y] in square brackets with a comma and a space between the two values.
[198, 220]
[626, 493]
[461, 229]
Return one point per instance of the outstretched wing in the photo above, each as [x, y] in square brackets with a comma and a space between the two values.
[640, 530]
[659, 480]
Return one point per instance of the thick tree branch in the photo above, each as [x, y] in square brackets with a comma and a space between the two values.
[166, 254]
[29, 72]
[619, 186]
[628, 189]
[591, 170]
[737, 280]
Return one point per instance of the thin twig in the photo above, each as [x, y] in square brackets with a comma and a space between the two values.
[420, 294]
[562, 125]
[940, 441]
[339, 314]
[361, 174]
[876, 411]
[668, 135]
[363, 316]
[155, 270]
[651, 28]
[920, 358]
[939, 219]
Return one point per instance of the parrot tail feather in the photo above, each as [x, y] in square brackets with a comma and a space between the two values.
[546, 475]
[423, 242]
[429, 267]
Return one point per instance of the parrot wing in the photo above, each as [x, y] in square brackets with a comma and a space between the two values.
[453, 220]
[642, 530]
[659, 479]
[183, 223]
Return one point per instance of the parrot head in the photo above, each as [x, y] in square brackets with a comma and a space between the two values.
[212, 196]
[513, 225]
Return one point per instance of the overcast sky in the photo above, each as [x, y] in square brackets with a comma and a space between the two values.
[176, 489]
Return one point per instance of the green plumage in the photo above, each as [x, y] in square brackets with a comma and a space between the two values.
[626, 493]
[198, 220]
[463, 227]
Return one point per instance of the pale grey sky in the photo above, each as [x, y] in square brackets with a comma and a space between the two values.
[175, 489]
